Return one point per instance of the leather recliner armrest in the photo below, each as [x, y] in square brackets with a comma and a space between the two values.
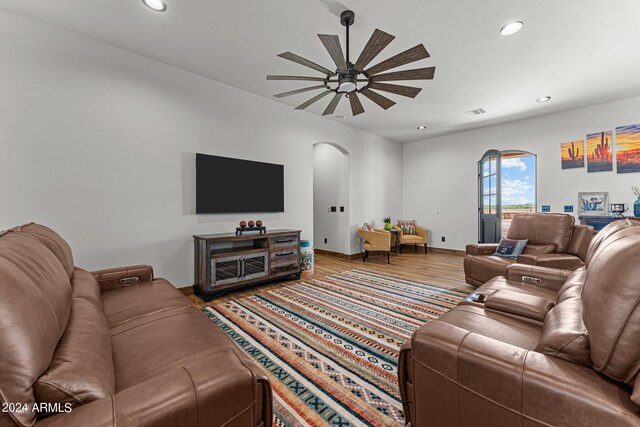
[460, 376]
[519, 304]
[481, 248]
[561, 261]
[544, 277]
[218, 389]
[113, 278]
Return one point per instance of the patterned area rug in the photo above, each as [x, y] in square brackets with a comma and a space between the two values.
[330, 345]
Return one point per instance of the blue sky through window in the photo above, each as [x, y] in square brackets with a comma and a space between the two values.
[518, 181]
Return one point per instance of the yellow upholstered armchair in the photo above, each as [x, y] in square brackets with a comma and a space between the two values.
[375, 241]
[420, 238]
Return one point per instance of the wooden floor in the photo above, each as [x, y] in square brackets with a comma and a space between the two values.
[435, 268]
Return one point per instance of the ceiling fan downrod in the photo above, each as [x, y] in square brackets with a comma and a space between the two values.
[347, 18]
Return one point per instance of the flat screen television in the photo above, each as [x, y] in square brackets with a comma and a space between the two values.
[225, 185]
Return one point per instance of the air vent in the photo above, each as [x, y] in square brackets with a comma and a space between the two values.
[476, 112]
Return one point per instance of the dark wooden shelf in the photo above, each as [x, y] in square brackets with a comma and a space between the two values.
[235, 251]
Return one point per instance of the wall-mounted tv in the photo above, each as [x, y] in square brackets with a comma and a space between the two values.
[225, 185]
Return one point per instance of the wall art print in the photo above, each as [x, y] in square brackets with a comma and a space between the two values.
[593, 203]
[572, 154]
[599, 152]
[628, 148]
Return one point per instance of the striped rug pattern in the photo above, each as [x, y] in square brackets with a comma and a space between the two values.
[330, 345]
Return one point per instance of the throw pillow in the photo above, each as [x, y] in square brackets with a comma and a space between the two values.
[510, 248]
[407, 226]
[367, 226]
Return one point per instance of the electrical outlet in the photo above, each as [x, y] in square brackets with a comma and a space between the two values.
[333, 208]
[568, 208]
[443, 238]
[546, 208]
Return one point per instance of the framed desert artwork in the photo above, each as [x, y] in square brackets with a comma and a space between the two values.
[593, 203]
[572, 154]
[628, 149]
[599, 152]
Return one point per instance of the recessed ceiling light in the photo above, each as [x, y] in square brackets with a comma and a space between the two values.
[511, 28]
[422, 127]
[157, 5]
[543, 99]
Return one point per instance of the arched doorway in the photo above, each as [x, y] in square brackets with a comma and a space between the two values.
[331, 198]
[506, 186]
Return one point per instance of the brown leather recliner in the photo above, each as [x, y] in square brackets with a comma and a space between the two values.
[492, 362]
[553, 241]
[114, 347]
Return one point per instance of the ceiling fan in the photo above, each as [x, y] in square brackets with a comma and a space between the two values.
[345, 79]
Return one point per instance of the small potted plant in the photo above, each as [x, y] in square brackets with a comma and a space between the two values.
[387, 223]
[636, 205]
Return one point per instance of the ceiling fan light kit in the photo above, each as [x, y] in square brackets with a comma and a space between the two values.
[347, 77]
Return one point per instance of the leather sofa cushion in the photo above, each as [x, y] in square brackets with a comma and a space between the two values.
[35, 301]
[543, 229]
[145, 347]
[143, 299]
[52, 240]
[82, 367]
[539, 249]
[493, 325]
[572, 287]
[582, 237]
[610, 296]
[483, 268]
[85, 286]
[635, 396]
[603, 235]
[520, 304]
[564, 335]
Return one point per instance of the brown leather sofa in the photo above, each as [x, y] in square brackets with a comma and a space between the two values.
[553, 241]
[113, 347]
[492, 361]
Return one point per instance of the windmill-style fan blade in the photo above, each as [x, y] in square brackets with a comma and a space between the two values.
[312, 100]
[332, 44]
[382, 101]
[378, 41]
[414, 54]
[300, 60]
[311, 79]
[297, 91]
[417, 74]
[407, 91]
[356, 105]
[333, 104]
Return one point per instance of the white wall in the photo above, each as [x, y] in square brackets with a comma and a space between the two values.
[100, 144]
[440, 184]
[330, 188]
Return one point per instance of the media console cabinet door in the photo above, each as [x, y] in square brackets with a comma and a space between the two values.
[225, 270]
[255, 265]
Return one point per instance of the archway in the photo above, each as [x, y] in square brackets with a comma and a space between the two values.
[331, 197]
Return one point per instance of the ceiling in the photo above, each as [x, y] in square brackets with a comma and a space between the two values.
[579, 52]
